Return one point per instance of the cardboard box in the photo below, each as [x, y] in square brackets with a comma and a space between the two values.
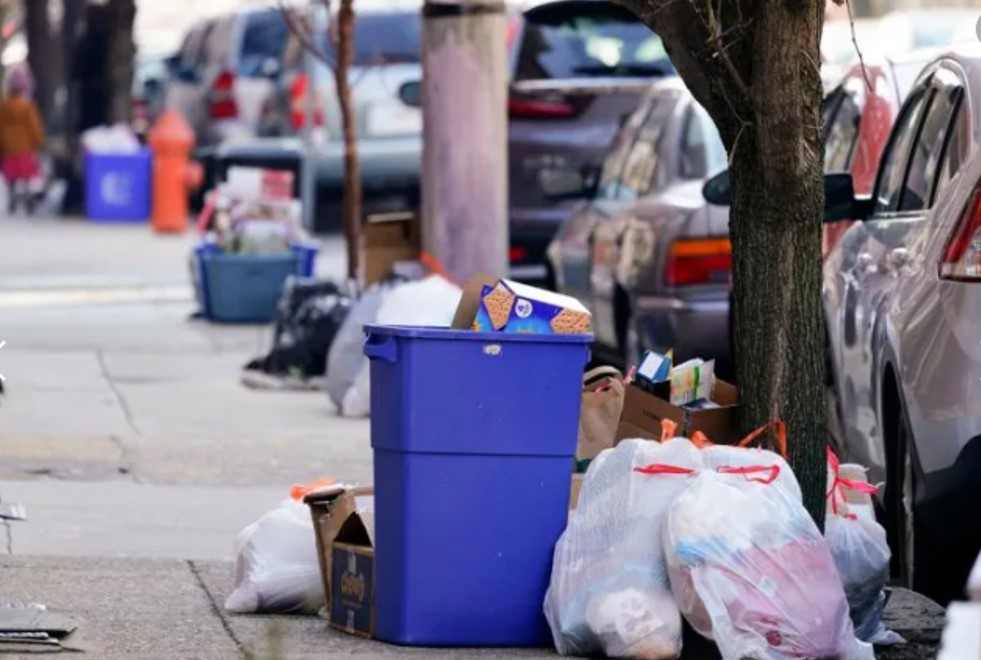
[643, 411]
[352, 598]
[329, 508]
[492, 304]
[388, 239]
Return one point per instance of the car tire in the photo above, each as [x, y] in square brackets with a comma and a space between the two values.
[907, 537]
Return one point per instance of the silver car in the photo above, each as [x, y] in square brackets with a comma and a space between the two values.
[647, 255]
[902, 299]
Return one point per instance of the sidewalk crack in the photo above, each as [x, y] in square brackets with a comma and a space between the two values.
[219, 613]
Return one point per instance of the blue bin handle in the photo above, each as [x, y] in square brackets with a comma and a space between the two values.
[381, 347]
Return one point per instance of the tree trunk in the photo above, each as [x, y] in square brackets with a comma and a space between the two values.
[755, 67]
[465, 178]
[122, 52]
[351, 208]
[40, 45]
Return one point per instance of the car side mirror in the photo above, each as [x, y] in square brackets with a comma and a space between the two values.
[716, 189]
[411, 94]
[840, 201]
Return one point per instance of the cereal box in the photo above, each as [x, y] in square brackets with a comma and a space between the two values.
[513, 307]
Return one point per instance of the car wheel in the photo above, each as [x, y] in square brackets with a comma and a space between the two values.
[905, 534]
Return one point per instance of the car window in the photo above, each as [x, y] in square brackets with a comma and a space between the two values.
[927, 150]
[264, 39]
[190, 53]
[892, 172]
[641, 174]
[702, 151]
[576, 40]
[958, 146]
[842, 135]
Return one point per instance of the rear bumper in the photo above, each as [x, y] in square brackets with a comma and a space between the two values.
[691, 328]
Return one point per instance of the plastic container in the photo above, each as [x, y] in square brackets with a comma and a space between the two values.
[117, 186]
[236, 288]
[473, 437]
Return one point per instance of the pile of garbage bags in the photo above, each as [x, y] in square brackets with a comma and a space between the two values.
[717, 536]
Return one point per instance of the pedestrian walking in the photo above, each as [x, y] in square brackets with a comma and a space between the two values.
[21, 138]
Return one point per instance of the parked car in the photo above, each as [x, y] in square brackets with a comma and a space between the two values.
[385, 77]
[902, 302]
[223, 73]
[858, 115]
[578, 69]
[647, 255]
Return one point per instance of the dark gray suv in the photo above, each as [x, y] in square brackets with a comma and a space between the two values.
[579, 69]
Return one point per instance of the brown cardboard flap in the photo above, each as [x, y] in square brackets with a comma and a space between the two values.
[627, 431]
[391, 229]
[466, 311]
[644, 411]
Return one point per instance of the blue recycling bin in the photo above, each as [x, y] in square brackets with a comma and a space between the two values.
[118, 186]
[473, 437]
[243, 288]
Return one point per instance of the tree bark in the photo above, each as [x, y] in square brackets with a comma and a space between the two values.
[122, 52]
[40, 45]
[755, 68]
[70, 21]
[352, 200]
[464, 177]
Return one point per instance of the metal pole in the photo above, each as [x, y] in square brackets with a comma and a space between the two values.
[464, 178]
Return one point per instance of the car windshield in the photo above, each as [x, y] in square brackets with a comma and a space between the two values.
[264, 39]
[906, 74]
[587, 39]
[384, 38]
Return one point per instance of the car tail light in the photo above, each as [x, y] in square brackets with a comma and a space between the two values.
[517, 253]
[298, 104]
[699, 261]
[222, 100]
[962, 258]
[531, 109]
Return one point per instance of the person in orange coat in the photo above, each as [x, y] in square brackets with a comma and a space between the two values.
[21, 138]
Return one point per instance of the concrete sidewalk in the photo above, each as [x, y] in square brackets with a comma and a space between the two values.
[145, 609]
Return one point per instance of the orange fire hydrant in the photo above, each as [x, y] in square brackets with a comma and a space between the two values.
[174, 174]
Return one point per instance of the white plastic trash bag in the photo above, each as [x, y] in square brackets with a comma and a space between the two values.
[428, 302]
[861, 553]
[115, 139]
[750, 569]
[346, 357]
[276, 566]
[609, 590]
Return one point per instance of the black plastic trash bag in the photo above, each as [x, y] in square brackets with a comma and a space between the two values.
[308, 315]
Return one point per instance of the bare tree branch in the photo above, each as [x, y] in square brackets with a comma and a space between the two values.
[861, 59]
[715, 32]
[303, 34]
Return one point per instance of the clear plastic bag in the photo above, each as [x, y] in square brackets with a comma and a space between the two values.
[749, 569]
[609, 591]
[276, 566]
[861, 553]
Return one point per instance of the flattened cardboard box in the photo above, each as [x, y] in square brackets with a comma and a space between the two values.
[329, 509]
[643, 412]
[352, 599]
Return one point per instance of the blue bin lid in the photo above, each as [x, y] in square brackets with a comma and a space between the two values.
[442, 333]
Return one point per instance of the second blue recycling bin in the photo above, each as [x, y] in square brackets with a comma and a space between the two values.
[473, 436]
